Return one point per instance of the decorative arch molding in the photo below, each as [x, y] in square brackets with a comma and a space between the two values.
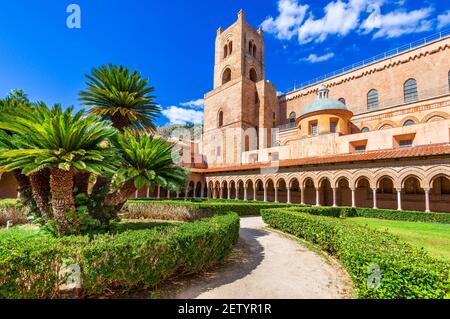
[293, 177]
[408, 118]
[431, 115]
[385, 123]
[281, 178]
[364, 175]
[340, 176]
[385, 174]
[269, 179]
[307, 176]
[323, 176]
[412, 173]
[434, 173]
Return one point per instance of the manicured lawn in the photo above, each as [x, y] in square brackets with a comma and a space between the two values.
[434, 238]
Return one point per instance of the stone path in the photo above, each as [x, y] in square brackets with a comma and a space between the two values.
[269, 265]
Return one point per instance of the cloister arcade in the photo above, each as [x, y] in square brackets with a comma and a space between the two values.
[407, 189]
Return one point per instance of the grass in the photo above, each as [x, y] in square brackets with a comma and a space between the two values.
[434, 238]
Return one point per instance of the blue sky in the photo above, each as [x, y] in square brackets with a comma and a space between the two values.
[172, 42]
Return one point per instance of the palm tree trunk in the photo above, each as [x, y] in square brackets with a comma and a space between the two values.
[63, 203]
[40, 186]
[120, 196]
[81, 182]
[119, 121]
[24, 186]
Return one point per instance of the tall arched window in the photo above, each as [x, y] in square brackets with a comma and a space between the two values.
[372, 100]
[226, 77]
[225, 51]
[253, 75]
[292, 117]
[220, 119]
[254, 50]
[230, 48]
[250, 47]
[410, 91]
[342, 100]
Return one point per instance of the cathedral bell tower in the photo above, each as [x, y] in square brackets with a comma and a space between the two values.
[237, 102]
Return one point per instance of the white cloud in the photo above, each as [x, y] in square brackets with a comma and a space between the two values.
[397, 23]
[444, 19]
[179, 115]
[314, 58]
[340, 17]
[291, 15]
[195, 103]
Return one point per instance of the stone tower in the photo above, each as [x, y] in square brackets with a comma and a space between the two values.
[242, 102]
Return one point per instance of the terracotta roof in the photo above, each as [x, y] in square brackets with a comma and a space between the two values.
[417, 151]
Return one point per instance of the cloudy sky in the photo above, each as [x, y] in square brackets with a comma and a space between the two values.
[172, 43]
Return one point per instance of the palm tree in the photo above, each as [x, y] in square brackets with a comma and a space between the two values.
[62, 143]
[121, 96]
[15, 99]
[145, 161]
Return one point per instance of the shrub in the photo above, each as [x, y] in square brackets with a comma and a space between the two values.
[175, 211]
[29, 264]
[243, 208]
[13, 210]
[406, 272]
[411, 216]
[337, 212]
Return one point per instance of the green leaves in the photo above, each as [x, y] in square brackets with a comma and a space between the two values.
[121, 96]
[48, 138]
[148, 161]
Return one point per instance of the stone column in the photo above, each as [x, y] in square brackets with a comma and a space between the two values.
[265, 193]
[245, 193]
[254, 193]
[399, 199]
[136, 194]
[168, 194]
[288, 195]
[237, 191]
[221, 192]
[229, 193]
[427, 200]
[302, 195]
[159, 192]
[186, 193]
[276, 194]
[318, 197]
[334, 197]
[148, 192]
[178, 194]
[374, 192]
[353, 198]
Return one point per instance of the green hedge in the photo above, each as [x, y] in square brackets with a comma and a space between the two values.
[243, 208]
[390, 214]
[406, 272]
[29, 263]
[411, 216]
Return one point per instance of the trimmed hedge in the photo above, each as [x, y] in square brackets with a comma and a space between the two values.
[29, 264]
[243, 208]
[389, 214]
[406, 272]
[410, 216]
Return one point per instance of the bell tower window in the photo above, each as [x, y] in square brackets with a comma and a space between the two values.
[253, 75]
[226, 77]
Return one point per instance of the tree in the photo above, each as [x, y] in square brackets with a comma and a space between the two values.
[62, 143]
[122, 97]
[145, 161]
[15, 99]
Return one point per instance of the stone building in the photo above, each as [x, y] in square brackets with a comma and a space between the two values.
[376, 134]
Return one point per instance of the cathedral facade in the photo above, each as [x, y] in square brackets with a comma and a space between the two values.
[376, 135]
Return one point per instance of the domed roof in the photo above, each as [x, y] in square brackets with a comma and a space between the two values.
[322, 105]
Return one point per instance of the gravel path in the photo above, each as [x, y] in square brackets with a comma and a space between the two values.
[269, 265]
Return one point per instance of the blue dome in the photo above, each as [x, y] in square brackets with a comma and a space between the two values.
[322, 105]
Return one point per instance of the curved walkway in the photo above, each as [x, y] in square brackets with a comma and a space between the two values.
[269, 265]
